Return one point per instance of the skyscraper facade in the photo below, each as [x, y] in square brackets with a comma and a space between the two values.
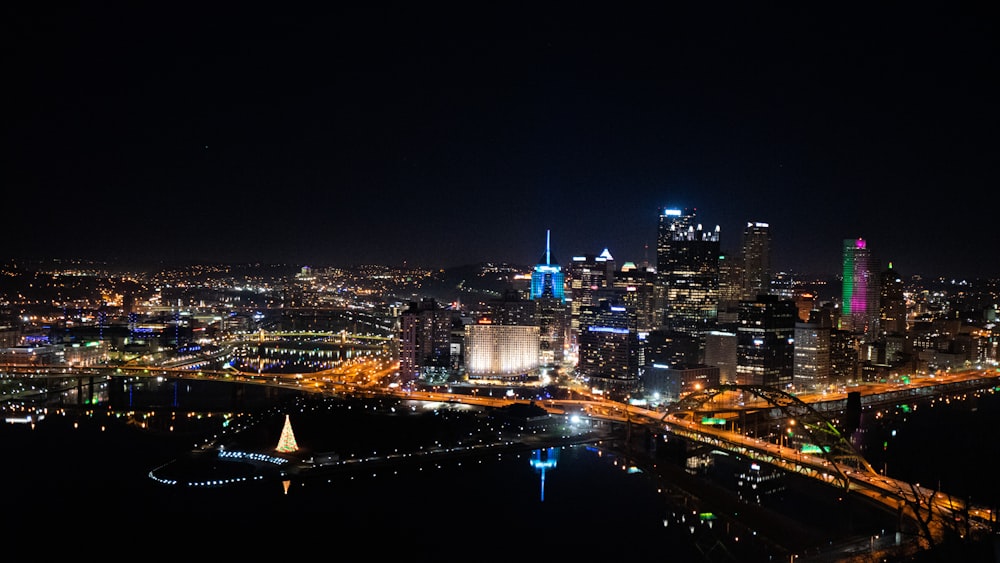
[424, 339]
[756, 251]
[637, 286]
[720, 351]
[765, 342]
[547, 279]
[589, 274]
[552, 318]
[892, 303]
[511, 309]
[501, 351]
[731, 292]
[548, 295]
[609, 347]
[860, 291]
[812, 353]
[670, 221]
[687, 271]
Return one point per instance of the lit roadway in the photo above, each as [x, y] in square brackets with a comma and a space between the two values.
[891, 493]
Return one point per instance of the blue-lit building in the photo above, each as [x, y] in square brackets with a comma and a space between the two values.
[547, 279]
[548, 293]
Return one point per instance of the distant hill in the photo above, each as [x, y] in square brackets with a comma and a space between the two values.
[480, 281]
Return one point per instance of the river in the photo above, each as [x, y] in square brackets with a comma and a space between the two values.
[586, 501]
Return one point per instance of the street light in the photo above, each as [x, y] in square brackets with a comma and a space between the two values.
[789, 433]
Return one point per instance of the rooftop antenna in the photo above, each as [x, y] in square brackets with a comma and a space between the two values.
[548, 236]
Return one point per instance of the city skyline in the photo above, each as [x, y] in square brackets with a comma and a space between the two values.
[350, 136]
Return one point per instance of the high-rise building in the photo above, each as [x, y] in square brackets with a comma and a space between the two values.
[547, 279]
[671, 348]
[609, 347]
[805, 300]
[552, 318]
[501, 351]
[688, 271]
[730, 287]
[670, 221]
[548, 294]
[756, 252]
[588, 275]
[859, 305]
[765, 342]
[637, 287]
[783, 284]
[424, 339]
[511, 309]
[892, 303]
[845, 359]
[812, 351]
[720, 351]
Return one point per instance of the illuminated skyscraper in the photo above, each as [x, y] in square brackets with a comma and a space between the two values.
[548, 292]
[609, 347]
[589, 275]
[731, 292]
[688, 271]
[720, 351]
[765, 341]
[812, 351]
[547, 279]
[756, 260]
[424, 339]
[859, 306]
[511, 309]
[637, 286]
[501, 351]
[892, 303]
[552, 319]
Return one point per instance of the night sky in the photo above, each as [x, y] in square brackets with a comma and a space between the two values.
[245, 132]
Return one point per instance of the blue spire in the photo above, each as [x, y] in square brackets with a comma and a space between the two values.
[547, 280]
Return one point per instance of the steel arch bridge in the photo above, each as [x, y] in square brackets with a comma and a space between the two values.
[831, 444]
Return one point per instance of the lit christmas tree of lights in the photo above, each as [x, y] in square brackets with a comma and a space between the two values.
[286, 443]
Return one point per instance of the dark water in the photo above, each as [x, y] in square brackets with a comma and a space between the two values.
[593, 501]
[949, 444]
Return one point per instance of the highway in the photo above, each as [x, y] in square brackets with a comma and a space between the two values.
[893, 494]
[851, 473]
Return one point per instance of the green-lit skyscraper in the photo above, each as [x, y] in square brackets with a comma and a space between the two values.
[859, 304]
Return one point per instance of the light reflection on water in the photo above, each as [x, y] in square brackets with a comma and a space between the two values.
[108, 451]
[526, 495]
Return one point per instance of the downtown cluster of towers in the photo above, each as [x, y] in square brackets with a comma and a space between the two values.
[694, 319]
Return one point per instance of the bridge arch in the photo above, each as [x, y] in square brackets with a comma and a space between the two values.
[831, 443]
